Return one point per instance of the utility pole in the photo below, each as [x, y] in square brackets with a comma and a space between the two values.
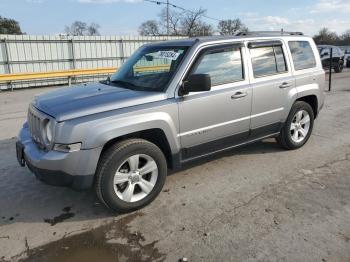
[167, 17]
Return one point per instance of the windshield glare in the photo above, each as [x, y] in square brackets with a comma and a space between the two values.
[150, 68]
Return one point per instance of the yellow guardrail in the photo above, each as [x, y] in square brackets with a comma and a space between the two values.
[72, 73]
[55, 74]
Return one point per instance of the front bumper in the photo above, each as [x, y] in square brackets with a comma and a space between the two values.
[75, 169]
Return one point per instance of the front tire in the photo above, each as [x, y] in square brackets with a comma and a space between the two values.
[339, 67]
[130, 175]
[298, 127]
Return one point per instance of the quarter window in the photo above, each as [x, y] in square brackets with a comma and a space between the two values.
[224, 65]
[268, 60]
[302, 54]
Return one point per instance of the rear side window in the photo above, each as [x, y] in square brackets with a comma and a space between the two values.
[268, 60]
[302, 54]
[224, 65]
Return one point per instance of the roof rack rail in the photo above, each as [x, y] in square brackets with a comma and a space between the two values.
[268, 33]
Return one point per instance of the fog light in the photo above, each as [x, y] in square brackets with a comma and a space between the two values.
[67, 148]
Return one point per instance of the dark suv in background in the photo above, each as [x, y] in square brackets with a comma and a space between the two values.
[337, 57]
[347, 58]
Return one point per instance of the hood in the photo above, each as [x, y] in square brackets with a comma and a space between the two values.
[77, 101]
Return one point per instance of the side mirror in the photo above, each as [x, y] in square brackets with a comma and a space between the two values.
[196, 83]
[325, 54]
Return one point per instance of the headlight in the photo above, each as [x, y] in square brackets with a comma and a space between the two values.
[48, 131]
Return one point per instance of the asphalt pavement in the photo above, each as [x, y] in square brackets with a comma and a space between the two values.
[254, 203]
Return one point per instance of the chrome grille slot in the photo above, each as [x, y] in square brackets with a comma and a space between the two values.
[35, 126]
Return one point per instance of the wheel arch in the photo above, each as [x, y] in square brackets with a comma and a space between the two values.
[156, 136]
[312, 101]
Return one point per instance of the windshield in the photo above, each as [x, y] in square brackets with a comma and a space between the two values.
[150, 68]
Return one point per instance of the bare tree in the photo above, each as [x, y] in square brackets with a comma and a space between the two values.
[187, 23]
[190, 23]
[150, 28]
[325, 36]
[81, 28]
[174, 21]
[93, 29]
[231, 27]
[345, 38]
[76, 28]
[202, 29]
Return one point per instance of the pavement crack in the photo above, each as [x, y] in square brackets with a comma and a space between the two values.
[276, 186]
[245, 204]
[318, 135]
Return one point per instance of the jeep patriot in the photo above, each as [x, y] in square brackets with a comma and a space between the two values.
[170, 103]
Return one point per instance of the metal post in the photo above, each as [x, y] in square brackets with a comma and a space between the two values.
[72, 51]
[330, 69]
[7, 61]
[167, 17]
[73, 61]
[69, 80]
[122, 50]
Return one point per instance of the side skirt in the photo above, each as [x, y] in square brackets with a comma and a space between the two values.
[224, 144]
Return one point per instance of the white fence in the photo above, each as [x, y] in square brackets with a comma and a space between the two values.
[34, 54]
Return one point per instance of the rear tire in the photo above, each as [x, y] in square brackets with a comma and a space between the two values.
[130, 175]
[298, 127]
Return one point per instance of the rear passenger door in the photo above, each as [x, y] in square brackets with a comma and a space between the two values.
[273, 86]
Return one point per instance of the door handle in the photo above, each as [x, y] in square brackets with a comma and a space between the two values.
[239, 94]
[285, 85]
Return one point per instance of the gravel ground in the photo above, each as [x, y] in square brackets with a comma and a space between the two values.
[255, 203]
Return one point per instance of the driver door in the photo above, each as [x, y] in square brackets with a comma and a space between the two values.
[217, 119]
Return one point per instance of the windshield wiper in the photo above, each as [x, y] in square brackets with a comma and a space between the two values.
[125, 84]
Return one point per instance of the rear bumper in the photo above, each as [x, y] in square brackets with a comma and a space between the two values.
[75, 169]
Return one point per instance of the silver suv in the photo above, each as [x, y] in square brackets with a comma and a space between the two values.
[169, 104]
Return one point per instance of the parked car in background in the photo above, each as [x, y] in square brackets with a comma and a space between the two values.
[169, 104]
[337, 57]
[347, 58]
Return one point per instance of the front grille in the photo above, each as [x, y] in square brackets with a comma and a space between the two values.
[35, 122]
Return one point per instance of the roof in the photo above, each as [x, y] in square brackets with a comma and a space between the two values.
[204, 39]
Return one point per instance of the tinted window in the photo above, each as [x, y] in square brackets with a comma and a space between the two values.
[268, 60]
[223, 65]
[150, 68]
[302, 54]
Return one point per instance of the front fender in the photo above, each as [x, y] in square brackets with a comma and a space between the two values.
[108, 130]
[96, 130]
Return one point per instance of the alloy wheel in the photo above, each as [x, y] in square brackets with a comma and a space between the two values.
[300, 126]
[135, 178]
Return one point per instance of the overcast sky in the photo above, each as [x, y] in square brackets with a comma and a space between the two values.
[122, 17]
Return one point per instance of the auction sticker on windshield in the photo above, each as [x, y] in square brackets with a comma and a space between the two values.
[167, 55]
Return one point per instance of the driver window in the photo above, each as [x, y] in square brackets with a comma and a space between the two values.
[224, 65]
